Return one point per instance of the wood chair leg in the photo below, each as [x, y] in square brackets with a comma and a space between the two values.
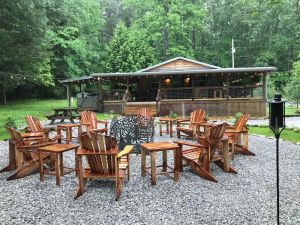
[220, 164]
[118, 189]
[12, 159]
[25, 170]
[201, 172]
[81, 185]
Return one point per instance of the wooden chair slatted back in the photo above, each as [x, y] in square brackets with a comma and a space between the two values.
[241, 122]
[146, 112]
[196, 116]
[33, 124]
[104, 164]
[89, 117]
[15, 136]
[18, 141]
[213, 137]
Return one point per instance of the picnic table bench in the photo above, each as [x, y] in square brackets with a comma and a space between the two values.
[63, 114]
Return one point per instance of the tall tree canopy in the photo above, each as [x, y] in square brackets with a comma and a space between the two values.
[42, 41]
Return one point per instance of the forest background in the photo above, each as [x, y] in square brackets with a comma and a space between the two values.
[43, 41]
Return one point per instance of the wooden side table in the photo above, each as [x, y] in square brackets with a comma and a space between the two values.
[152, 149]
[68, 127]
[57, 150]
[169, 125]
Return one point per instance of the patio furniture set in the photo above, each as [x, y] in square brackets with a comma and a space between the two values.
[213, 143]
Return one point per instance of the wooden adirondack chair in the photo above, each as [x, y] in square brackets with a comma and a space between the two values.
[145, 115]
[146, 112]
[201, 155]
[24, 153]
[35, 126]
[90, 122]
[197, 116]
[237, 133]
[104, 159]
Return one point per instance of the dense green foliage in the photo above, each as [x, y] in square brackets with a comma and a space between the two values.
[42, 41]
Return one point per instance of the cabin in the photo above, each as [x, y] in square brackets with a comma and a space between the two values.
[179, 85]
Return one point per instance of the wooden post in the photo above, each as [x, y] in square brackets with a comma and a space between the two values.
[68, 96]
[100, 90]
[264, 86]
[158, 97]
[227, 93]
[193, 88]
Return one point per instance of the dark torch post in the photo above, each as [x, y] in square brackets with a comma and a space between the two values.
[277, 124]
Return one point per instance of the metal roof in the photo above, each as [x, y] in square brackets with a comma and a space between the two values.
[241, 70]
[76, 79]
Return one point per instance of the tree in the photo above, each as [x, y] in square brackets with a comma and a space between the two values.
[294, 85]
[128, 51]
[24, 58]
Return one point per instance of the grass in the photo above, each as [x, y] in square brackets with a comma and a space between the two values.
[291, 110]
[17, 110]
[292, 135]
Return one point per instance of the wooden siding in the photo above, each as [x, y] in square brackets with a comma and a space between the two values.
[179, 65]
[255, 107]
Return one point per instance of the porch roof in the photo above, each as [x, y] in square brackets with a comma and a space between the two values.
[217, 71]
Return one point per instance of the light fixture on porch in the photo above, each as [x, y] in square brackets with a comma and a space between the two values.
[167, 81]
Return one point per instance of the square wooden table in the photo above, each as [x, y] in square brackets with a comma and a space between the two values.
[68, 127]
[169, 125]
[152, 149]
[57, 150]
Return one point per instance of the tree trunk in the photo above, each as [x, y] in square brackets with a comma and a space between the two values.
[4, 96]
[297, 103]
[165, 30]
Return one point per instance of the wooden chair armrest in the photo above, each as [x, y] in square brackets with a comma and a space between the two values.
[81, 123]
[200, 123]
[183, 120]
[127, 150]
[32, 134]
[102, 121]
[234, 131]
[188, 144]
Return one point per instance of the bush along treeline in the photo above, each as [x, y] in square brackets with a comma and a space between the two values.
[42, 41]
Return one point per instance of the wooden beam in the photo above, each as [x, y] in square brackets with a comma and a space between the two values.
[193, 88]
[100, 90]
[264, 86]
[227, 86]
[68, 96]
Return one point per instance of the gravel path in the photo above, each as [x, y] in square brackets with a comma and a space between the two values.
[246, 198]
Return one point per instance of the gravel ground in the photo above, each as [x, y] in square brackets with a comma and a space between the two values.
[246, 198]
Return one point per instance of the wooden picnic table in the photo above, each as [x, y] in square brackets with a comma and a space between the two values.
[64, 113]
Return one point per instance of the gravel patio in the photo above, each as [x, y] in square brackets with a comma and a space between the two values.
[246, 198]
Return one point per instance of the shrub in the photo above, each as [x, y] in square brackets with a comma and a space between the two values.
[10, 122]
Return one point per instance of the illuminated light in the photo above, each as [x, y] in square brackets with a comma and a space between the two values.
[24, 78]
[98, 78]
[11, 76]
[167, 81]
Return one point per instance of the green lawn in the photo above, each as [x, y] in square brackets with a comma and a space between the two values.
[17, 110]
[292, 135]
[291, 110]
